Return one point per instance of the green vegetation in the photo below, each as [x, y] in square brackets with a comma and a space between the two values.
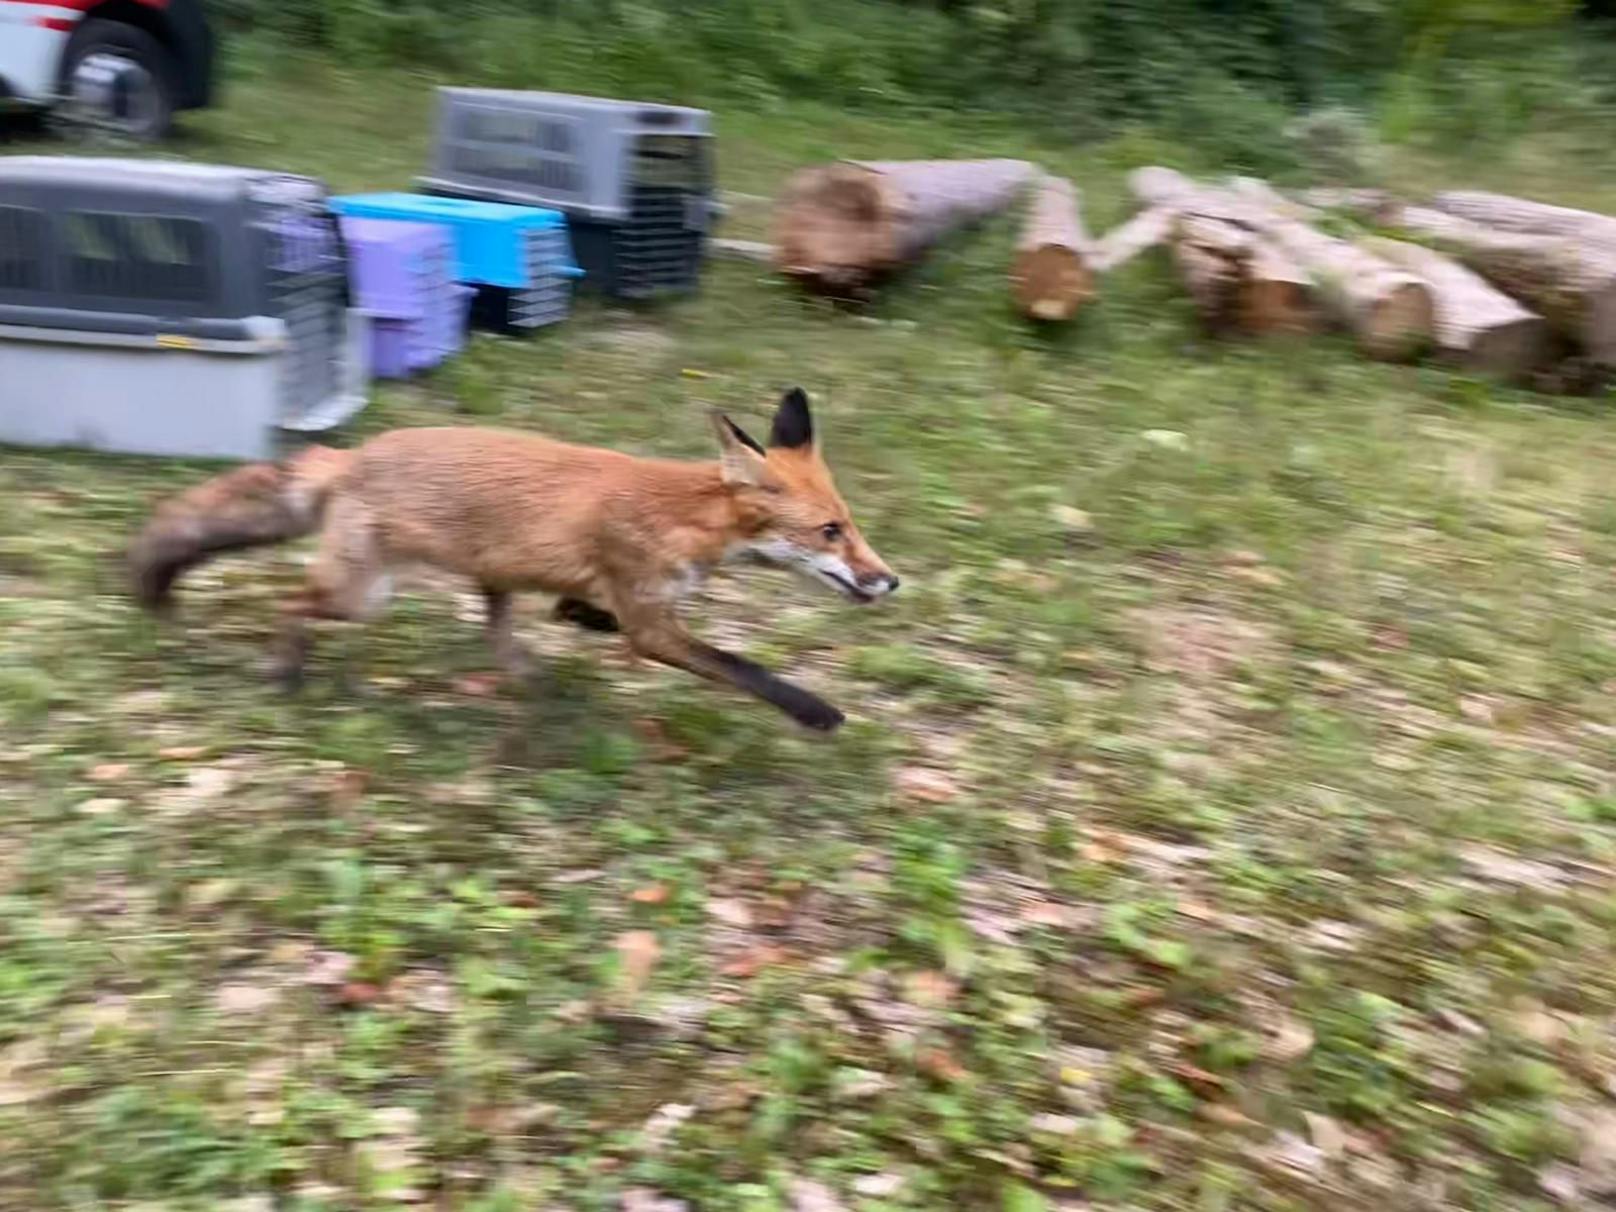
[1224, 821]
[1223, 74]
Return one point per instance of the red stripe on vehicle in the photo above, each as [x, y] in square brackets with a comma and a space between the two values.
[82, 6]
[62, 25]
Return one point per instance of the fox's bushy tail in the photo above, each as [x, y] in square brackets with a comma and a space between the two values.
[251, 506]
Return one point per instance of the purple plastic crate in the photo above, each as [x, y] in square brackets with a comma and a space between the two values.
[399, 270]
[389, 348]
[401, 346]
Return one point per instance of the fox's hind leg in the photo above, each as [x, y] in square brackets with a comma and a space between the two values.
[348, 581]
[509, 652]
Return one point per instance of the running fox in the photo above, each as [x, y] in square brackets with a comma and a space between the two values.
[619, 539]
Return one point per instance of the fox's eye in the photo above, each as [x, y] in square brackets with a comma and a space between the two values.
[832, 531]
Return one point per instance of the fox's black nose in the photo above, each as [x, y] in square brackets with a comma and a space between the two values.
[879, 582]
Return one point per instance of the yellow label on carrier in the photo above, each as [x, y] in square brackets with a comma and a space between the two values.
[173, 340]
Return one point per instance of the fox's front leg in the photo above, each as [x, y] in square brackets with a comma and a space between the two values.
[509, 652]
[656, 633]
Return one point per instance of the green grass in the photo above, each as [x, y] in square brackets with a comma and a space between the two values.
[1223, 786]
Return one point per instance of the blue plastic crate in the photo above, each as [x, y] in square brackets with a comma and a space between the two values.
[494, 242]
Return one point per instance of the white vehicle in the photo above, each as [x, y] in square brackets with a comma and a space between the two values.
[127, 65]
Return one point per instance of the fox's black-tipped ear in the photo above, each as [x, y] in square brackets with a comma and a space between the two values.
[793, 423]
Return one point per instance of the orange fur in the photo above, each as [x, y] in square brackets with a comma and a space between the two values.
[628, 536]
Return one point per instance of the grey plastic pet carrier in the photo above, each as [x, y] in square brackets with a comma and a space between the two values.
[163, 308]
[634, 179]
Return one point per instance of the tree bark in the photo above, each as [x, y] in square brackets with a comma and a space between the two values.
[1271, 291]
[841, 228]
[1477, 327]
[1389, 310]
[1125, 242]
[1210, 257]
[1518, 214]
[1051, 277]
[1571, 284]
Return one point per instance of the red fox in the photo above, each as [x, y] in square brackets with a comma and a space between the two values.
[619, 539]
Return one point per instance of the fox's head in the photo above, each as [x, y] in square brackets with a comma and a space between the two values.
[795, 517]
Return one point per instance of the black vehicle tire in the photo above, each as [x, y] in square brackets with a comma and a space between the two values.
[152, 108]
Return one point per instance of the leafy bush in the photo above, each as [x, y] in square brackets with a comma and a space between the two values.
[1226, 74]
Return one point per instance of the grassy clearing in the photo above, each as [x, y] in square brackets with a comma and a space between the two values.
[1242, 840]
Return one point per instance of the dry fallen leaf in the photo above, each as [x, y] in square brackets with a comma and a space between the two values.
[1045, 913]
[108, 772]
[651, 894]
[929, 990]
[937, 1063]
[358, 993]
[878, 1186]
[1196, 1077]
[477, 685]
[328, 968]
[1327, 1135]
[753, 960]
[181, 753]
[346, 788]
[655, 734]
[1224, 1116]
[925, 784]
[1559, 1182]
[1462, 1023]
[1598, 1154]
[1293, 1153]
[244, 998]
[637, 952]
[1100, 849]
[1072, 519]
[643, 1199]
[1536, 1023]
[664, 1122]
[810, 1196]
[730, 912]
[1291, 1039]
[1055, 1125]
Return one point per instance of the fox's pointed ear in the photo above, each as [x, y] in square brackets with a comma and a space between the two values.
[740, 457]
[793, 423]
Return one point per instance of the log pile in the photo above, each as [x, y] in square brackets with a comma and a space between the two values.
[1496, 285]
[1560, 263]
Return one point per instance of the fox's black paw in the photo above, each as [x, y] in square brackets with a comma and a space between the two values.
[818, 715]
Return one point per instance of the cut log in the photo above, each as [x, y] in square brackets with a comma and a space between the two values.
[1477, 327]
[1123, 243]
[1157, 186]
[841, 228]
[1272, 293]
[1389, 310]
[1278, 295]
[1212, 278]
[1051, 277]
[1571, 284]
[1536, 218]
